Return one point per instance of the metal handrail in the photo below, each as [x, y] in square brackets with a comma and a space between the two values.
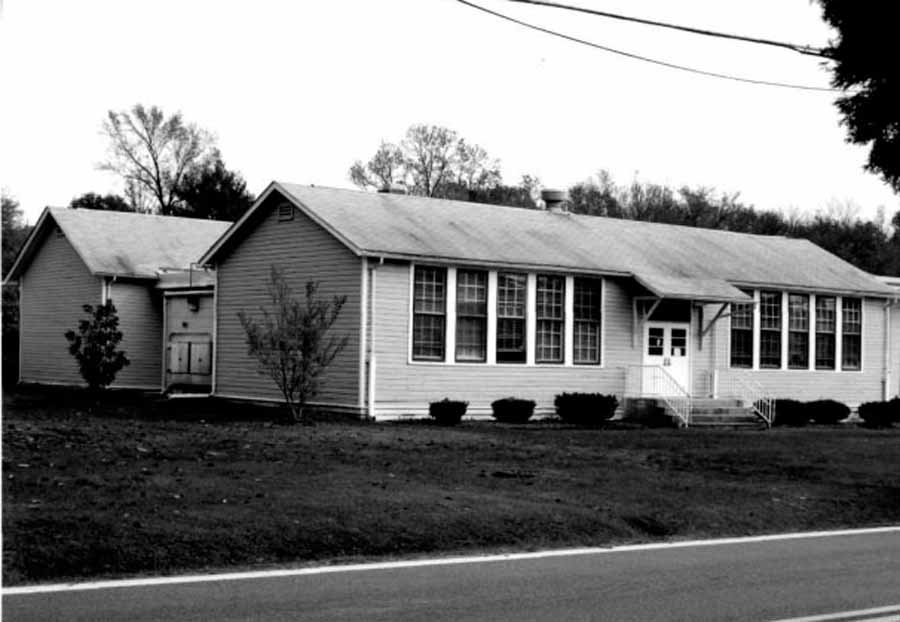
[753, 393]
[662, 385]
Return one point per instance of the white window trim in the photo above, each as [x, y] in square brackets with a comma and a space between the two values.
[530, 320]
[785, 334]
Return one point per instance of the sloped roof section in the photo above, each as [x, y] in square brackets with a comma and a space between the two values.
[125, 244]
[674, 260]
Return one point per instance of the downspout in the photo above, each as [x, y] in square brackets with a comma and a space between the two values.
[363, 334]
[372, 358]
[21, 332]
[886, 381]
[215, 331]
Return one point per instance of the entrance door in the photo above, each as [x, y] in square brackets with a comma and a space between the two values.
[666, 346]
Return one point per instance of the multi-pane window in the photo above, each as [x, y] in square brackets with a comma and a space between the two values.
[511, 306]
[770, 330]
[851, 333]
[471, 315]
[798, 331]
[742, 334]
[825, 332]
[429, 312]
[550, 316]
[586, 329]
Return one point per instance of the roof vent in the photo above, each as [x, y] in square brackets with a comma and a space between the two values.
[555, 200]
[393, 188]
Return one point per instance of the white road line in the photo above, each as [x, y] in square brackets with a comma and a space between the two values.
[859, 615]
[440, 561]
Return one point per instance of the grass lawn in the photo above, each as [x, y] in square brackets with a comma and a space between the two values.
[154, 488]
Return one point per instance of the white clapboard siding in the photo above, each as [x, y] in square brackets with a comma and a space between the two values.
[850, 387]
[139, 307]
[54, 288]
[404, 387]
[304, 251]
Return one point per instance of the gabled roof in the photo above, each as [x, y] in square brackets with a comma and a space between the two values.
[123, 244]
[669, 260]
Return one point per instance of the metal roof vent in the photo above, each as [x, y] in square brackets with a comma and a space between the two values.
[554, 200]
[393, 188]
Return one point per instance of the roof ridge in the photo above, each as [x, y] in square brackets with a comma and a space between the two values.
[116, 213]
[582, 217]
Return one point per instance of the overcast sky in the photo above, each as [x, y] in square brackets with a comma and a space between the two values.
[296, 91]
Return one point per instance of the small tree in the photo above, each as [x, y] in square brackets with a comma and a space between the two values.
[291, 342]
[95, 346]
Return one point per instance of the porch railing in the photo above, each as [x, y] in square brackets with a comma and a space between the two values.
[655, 381]
[750, 392]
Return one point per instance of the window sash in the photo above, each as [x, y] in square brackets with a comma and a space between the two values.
[798, 350]
[471, 316]
[742, 348]
[742, 333]
[851, 334]
[587, 312]
[550, 295]
[512, 290]
[429, 313]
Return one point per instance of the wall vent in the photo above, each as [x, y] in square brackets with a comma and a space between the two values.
[285, 212]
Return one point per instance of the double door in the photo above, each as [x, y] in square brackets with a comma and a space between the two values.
[666, 346]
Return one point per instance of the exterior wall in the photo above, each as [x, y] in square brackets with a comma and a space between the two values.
[54, 288]
[403, 387]
[850, 387]
[304, 251]
[140, 319]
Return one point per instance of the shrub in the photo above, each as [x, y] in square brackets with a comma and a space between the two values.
[96, 346]
[880, 414]
[791, 412]
[587, 409]
[827, 412]
[512, 410]
[447, 411]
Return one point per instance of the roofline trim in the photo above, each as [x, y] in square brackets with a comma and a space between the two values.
[210, 254]
[376, 254]
[27, 251]
[872, 293]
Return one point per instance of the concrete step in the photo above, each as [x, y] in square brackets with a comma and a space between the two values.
[709, 402]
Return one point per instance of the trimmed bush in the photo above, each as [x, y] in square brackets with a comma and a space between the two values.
[827, 412]
[447, 411]
[586, 409]
[880, 414]
[512, 410]
[791, 412]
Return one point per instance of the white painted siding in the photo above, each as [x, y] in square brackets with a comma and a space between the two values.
[55, 286]
[139, 307]
[304, 251]
[850, 387]
[404, 387]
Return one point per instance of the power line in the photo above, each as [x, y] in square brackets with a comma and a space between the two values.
[802, 49]
[646, 59]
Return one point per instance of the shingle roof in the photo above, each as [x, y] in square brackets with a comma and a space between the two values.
[670, 260]
[125, 244]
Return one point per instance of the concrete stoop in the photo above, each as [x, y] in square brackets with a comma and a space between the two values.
[705, 413]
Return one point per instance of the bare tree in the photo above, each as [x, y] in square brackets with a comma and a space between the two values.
[431, 161]
[385, 168]
[290, 341]
[152, 153]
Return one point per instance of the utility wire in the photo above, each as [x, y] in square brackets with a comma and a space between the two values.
[802, 49]
[646, 59]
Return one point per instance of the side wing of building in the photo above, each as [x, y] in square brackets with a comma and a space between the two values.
[290, 241]
[53, 290]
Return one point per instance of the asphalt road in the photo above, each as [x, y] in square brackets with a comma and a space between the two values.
[744, 581]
